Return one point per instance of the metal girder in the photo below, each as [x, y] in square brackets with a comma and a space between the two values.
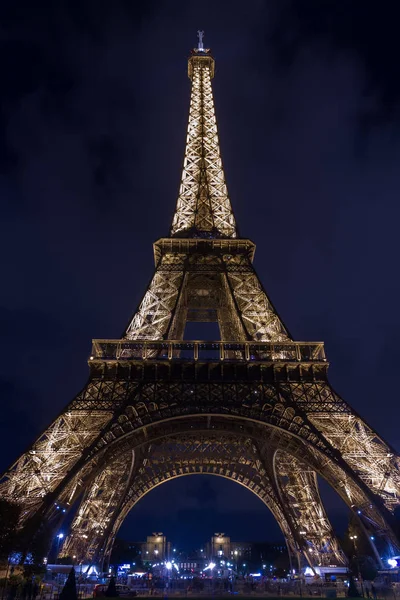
[214, 453]
[298, 489]
[227, 286]
[101, 500]
[154, 314]
[127, 410]
[203, 205]
[362, 448]
[255, 388]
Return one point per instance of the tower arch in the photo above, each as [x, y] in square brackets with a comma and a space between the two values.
[232, 456]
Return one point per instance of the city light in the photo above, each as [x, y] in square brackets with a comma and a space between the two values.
[392, 563]
[168, 565]
[60, 536]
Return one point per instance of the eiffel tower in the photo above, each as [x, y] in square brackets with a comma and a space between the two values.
[255, 406]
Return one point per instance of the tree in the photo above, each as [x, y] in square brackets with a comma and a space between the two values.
[111, 591]
[9, 516]
[360, 543]
[281, 565]
[353, 591]
[368, 568]
[69, 590]
[34, 541]
[126, 552]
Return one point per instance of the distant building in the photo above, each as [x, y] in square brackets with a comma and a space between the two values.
[220, 550]
[126, 552]
[156, 548]
[221, 546]
[192, 564]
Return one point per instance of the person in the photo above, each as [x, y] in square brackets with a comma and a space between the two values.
[29, 586]
[373, 590]
[12, 590]
[35, 589]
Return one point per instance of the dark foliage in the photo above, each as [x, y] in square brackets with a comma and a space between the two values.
[9, 515]
[111, 591]
[69, 590]
[35, 540]
[65, 560]
[353, 591]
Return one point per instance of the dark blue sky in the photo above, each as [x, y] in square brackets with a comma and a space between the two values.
[93, 112]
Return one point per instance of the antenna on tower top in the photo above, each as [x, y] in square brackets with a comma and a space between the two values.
[200, 35]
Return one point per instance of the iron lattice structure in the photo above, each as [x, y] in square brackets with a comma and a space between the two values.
[255, 407]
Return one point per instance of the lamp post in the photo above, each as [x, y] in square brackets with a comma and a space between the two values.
[5, 579]
[168, 565]
[59, 538]
[354, 540]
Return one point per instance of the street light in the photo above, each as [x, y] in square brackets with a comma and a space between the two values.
[59, 538]
[236, 561]
[353, 539]
[168, 566]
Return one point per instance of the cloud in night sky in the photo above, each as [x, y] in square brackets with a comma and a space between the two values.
[93, 113]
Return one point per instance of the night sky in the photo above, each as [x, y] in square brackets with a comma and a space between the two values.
[93, 115]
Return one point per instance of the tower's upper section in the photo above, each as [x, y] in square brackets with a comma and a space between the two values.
[203, 208]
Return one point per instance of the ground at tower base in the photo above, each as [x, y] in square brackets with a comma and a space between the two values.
[220, 567]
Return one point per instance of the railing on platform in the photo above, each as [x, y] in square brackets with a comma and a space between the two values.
[128, 350]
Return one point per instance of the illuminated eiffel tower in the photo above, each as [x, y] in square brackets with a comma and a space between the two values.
[254, 407]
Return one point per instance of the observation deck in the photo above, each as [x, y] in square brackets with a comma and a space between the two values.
[216, 360]
[215, 246]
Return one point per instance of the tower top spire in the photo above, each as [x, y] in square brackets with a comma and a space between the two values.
[200, 35]
[203, 207]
